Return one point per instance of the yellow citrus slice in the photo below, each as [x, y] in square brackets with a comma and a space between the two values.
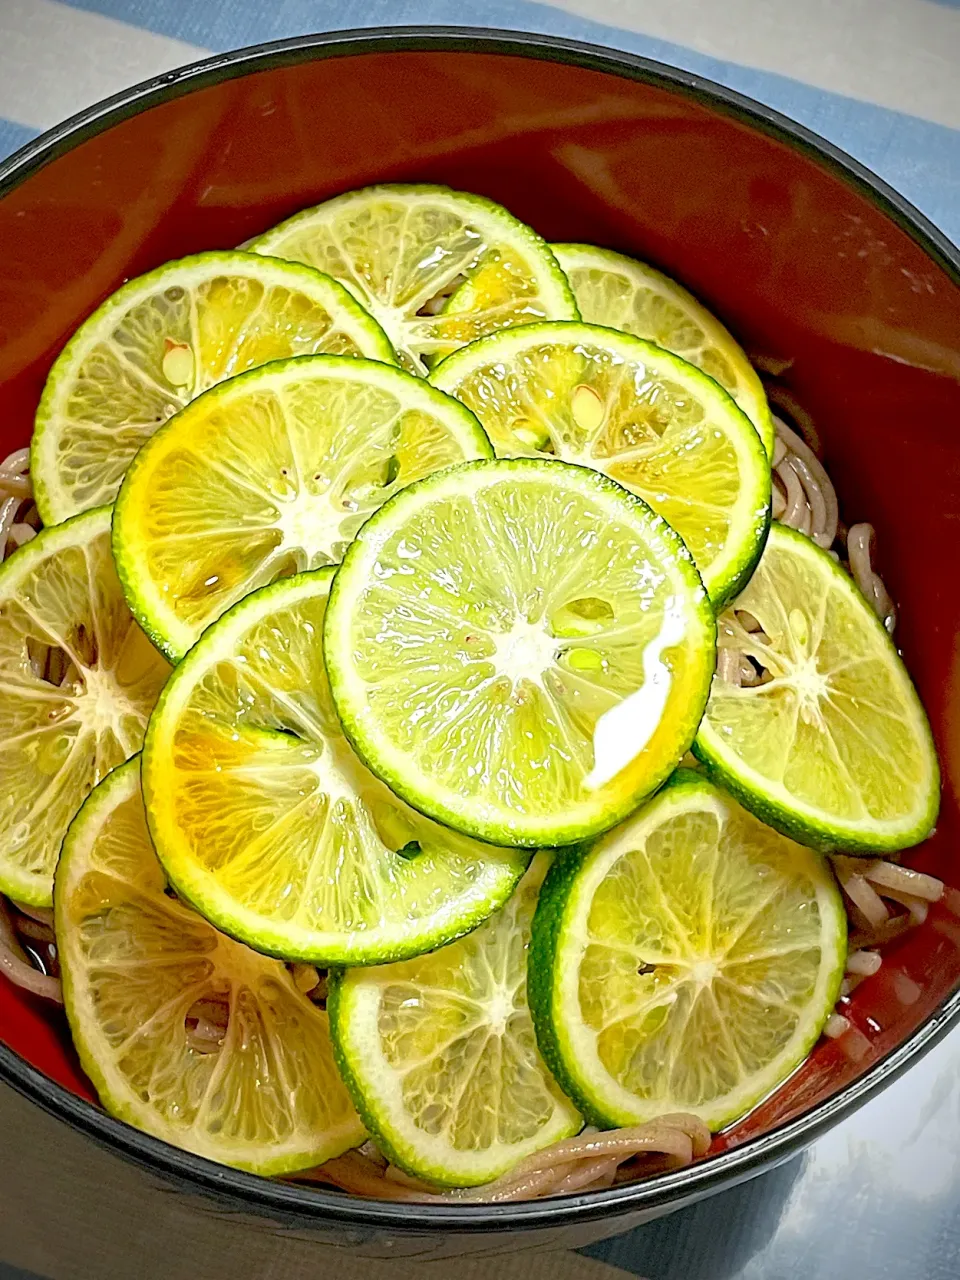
[163, 339]
[435, 267]
[830, 744]
[519, 648]
[621, 293]
[440, 1056]
[78, 679]
[687, 963]
[636, 413]
[270, 474]
[185, 1033]
[268, 823]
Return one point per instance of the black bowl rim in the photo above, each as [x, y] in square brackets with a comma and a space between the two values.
[664, 1191]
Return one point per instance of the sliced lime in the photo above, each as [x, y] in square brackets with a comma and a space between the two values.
[827, 741]
[185, 1033]
[520, 649]
[403, 249]
[270, 474]
[77, 681]
[687, 963]
[635, 412]
[440, 1057]
[164, 338]
[267, 822]
[621, 293]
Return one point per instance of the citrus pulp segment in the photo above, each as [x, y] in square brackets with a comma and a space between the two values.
[402, 249]
[636, 413]
[78, 679]
[267, 822]
[269, 474]
[621, 293]
[687, 963]
[440, 1056]
[163, 339]
[185, 1033]
[521, 649]
[832, 746]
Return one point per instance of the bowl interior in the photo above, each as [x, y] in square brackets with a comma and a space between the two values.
[803, 263]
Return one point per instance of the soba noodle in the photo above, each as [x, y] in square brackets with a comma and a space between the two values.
[882, 898]
[19, 520]
[804, 498]
[28, 952]
[588, 1162]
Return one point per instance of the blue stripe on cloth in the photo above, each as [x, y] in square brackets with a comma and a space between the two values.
[12, 138]
[918, 158]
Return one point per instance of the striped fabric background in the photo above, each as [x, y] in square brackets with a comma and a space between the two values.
[880, 78]
[877, 77]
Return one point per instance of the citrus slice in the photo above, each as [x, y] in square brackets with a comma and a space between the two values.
[185, 1033]
[638, 414]
[77, 681]
[621, 293]
[440, 1057]
[270, 474]
[687, 963]
[402, 249]
[828, 742]
[520, 649]
[266, 821]
[161, 340]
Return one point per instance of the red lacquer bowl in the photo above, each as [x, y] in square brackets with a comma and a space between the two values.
[808, 258]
